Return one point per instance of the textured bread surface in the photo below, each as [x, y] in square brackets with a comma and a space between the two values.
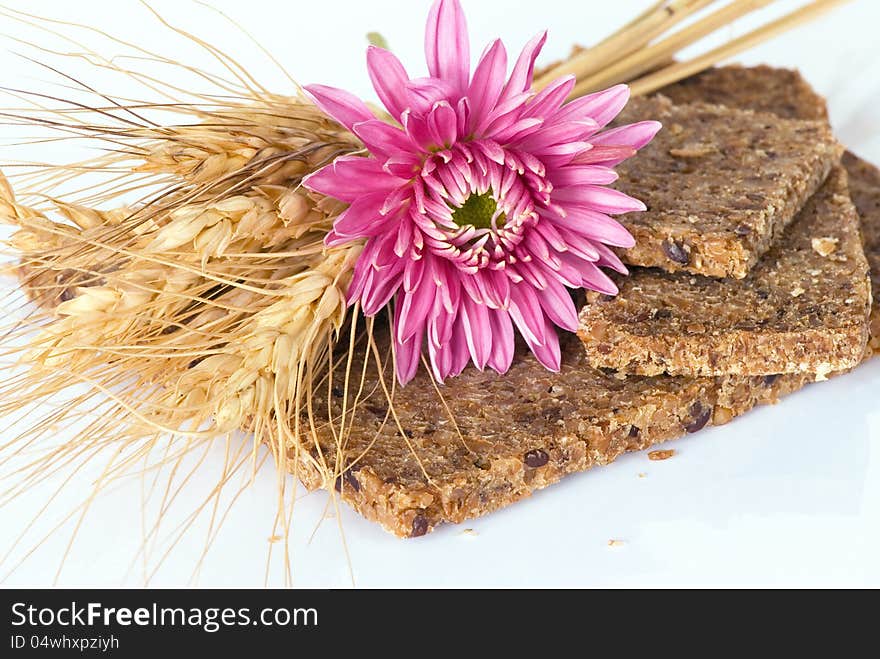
[782, 92]
[785, 92]
[492, 440]
[720, 184]
[803, 309]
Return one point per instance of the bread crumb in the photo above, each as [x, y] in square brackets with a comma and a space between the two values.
[798, 291]
[661, 455]
[470, 532]
[822, 372]
[615, 543]
[722, 415]
[642, 474]
[825, 246]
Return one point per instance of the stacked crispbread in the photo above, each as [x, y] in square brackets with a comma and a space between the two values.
[746, 290]
[781, 286]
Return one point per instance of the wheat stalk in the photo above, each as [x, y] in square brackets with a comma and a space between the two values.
[642, 51]
[208, 305]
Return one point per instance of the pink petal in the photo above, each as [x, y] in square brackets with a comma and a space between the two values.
[499, 284]
[592, 224]
[363, 218]
[591, 276]
[560, 155]
[502, 341]
[378, 273]
[440, 324]
[549, 100]
[346, 108]
[350, 177]
[506, 111]
[527, 315]
[441, 361]
[333, 239]
[443, 124]
[359, 280]
[609, 259]
[447, 49]
[383, 138]
[461, 356]
[524, 69]
[582, 175]
[548, 353]
[568, 274]
[448, 285]
[488, 292]
[488, 80]
[412, 310]
[601, 106]
[607, 156]
[504, 132]
[560, 133]
[417, 129]
[534, 276]
[389, 79]
[423, 93]
[491, 150]
[559, 307]
[635, 135]
[471, 289]
[405, 231]
[549, 233]
[580, 246]
[379, 290]
[413, 271]
[477, 329]
[463, 111]
[402, 165]
[538, 247]
[407, 353]
[604, 200]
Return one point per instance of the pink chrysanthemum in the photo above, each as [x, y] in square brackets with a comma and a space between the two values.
[483, 204]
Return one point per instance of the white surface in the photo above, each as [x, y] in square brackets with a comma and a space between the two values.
[788, 495]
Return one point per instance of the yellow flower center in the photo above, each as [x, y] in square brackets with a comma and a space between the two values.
[478, 211]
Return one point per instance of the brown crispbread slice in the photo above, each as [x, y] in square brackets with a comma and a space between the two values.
[511, 435]
[720, 184]
[786, 93]
[782, 92]
[803, 309]
[864, 186]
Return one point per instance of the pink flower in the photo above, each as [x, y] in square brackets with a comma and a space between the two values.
[482, 204]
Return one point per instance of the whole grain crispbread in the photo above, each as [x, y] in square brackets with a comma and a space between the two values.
[503, 437]
[803, 309]
[720, 184]
[782, 92]
[786, 93]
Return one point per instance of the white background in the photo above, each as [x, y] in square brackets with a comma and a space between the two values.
[788, 495]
